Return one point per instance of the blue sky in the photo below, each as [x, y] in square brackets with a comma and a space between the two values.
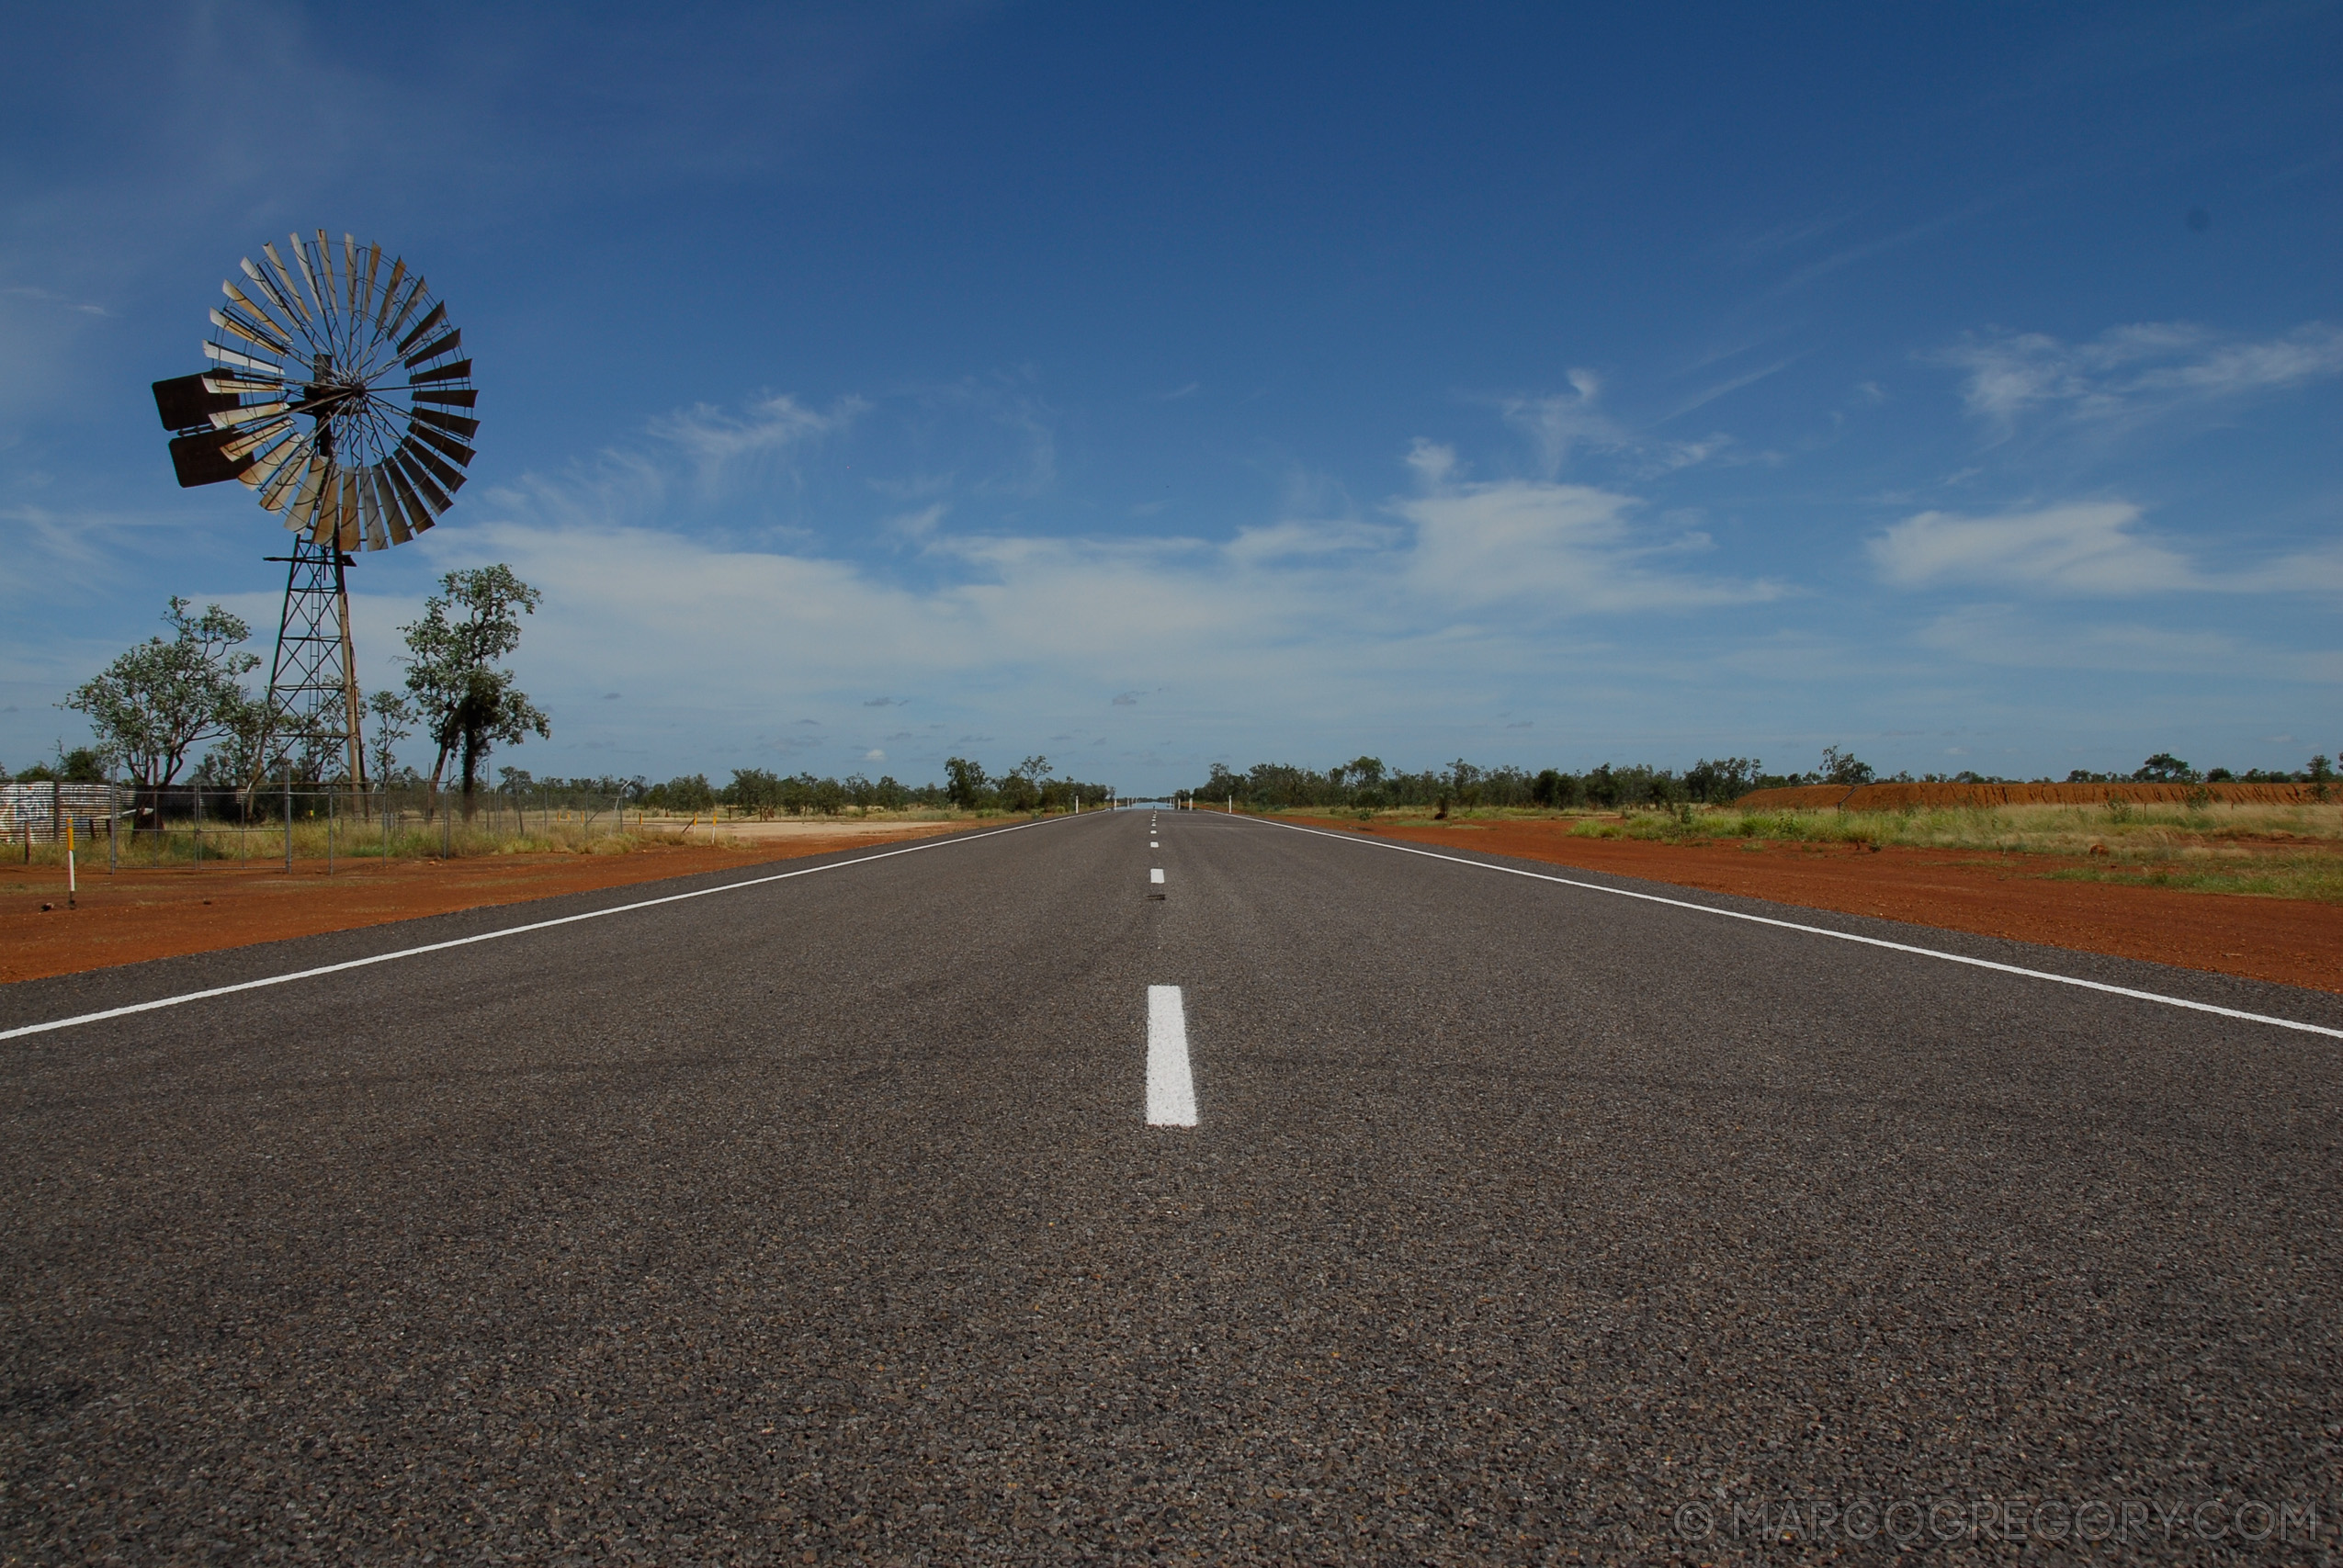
[1146, 387]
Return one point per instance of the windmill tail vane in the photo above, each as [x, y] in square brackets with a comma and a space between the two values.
[301, 403]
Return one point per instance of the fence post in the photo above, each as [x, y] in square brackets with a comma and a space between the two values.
[289, 819]
[331, 797]
[113, 827]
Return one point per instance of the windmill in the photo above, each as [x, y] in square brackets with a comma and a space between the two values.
[299, 404]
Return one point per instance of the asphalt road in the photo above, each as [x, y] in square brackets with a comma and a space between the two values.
[822, 1220]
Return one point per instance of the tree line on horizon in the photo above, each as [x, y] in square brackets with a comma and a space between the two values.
[1365, 784]
[1028, 786]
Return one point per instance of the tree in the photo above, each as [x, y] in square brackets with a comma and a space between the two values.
[466, 706]
[394, 721]
[157, 702]
[2164, 768]
[754, 789]
[1844, 768]
[966, 788]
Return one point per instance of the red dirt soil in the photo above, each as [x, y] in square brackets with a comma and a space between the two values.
[1895, 797]
[2293, 941]
[146, 913]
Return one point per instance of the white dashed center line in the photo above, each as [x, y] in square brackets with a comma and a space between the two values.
[1171, 1090]
[1156, 874]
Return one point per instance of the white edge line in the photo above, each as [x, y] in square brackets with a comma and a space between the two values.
[1817, 930]
[935, 843]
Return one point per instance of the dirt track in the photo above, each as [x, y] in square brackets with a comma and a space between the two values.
[2295, 942]
[159, 913]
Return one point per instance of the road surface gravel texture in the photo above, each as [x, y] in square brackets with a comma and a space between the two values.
[819, 1221]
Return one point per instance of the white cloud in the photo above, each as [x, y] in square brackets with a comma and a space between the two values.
[1560, 547]
[2130, 373]
[2084, 549]
[1294, 540]
[63, 303]
[770, 429]
[2091, 547]
[1562, 424]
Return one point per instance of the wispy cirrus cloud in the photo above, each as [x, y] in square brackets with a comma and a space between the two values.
[720, 441]
[2089, 549]
[2131, 373]
[48, 297]
[1565, 424]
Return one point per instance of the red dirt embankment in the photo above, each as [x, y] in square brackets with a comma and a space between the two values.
[1895, 797]
[2293, 941]
[144, 913]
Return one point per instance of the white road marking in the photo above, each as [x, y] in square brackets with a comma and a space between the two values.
[1170, 1089]
[1156, 874]
[1821, 930]
[1153, 845]
[492, 936]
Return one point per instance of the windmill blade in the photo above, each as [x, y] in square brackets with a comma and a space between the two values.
[253, 309]
[455, 424]
[228, 419]
[456, 450]
[462, 396]
[303, 508]
[248, 438]
[325, 270]
[349, 526]
[420, 513]
[449, 477]
[438, 314]
[265, 467]
[235, 385]
[434, 348]
[373, 265]
[350, 273]
[284, 486]
[323, 522]
[387, 499]
[389, 291]
[329, 503]
[321, 298]
[415, 297]
[377, 538]
[291, 296]
[459, 371]
[250, 334]
[229, 356]
[419, 479]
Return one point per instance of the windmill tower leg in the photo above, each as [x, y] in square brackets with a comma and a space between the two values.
[354, 706]
[313, 707]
